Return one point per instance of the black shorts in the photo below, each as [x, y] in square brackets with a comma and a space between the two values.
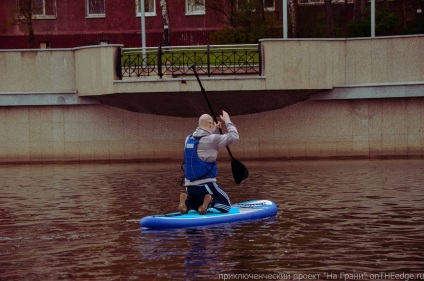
[197, 193]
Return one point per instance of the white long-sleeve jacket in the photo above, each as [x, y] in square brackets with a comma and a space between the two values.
[209, 145]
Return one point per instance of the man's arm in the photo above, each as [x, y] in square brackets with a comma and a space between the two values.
[232, 136]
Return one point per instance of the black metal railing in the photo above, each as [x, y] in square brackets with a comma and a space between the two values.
[176, 61]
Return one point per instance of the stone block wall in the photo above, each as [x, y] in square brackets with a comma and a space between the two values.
[363, 128]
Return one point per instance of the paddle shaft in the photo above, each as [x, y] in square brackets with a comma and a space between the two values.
[240, 172]
[209, 104]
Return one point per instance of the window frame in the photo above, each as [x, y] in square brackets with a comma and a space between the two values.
[147, 14]
[269, 9]
[266, 9]
[311, 2]
[87, 10]
[197, 12]
[43, 15]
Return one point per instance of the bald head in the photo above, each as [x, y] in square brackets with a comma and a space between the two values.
[205, 122]
[205, 119]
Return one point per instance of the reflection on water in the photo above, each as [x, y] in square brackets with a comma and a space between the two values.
[78, 222]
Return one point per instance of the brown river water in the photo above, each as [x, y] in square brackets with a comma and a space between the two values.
[337, 220]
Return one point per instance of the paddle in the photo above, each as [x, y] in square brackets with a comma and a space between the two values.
[240, 172]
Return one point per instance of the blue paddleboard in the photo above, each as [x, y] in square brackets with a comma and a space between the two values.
[250, 210]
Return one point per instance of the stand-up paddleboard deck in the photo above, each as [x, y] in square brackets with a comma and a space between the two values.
[250, 210]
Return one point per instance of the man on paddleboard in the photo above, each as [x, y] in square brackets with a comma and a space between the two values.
[200, 171]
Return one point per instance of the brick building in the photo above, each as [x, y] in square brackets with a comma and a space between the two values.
[71, 23]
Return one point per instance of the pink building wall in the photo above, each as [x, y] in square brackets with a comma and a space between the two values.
[71, 27]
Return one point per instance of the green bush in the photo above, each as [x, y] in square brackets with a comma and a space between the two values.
[386, 24]
[240, 36]
[360, 28]
[227, 36]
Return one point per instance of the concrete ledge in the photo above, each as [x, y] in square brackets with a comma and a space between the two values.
[190, 84]
[61, 49]
[373, 91]
[34, 99]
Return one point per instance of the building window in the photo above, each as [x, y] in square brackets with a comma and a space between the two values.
[311, 2]
[269, 5]
[96, 8]
[322, 2]
[40, 9]
[149, 8]
[195, 7]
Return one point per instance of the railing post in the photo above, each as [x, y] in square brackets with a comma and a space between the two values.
[260, 58]
[119, 63]
[234, 63]
[159, 58]
[209, 60]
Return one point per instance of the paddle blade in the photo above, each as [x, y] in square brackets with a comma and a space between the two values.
[240, 172]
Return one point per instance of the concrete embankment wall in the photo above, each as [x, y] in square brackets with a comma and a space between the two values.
[364, 128]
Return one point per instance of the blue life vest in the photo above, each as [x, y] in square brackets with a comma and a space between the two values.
[194, 167]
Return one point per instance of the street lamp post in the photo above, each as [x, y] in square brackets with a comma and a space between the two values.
[143, 29]
[372, 18]
[285, 25]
